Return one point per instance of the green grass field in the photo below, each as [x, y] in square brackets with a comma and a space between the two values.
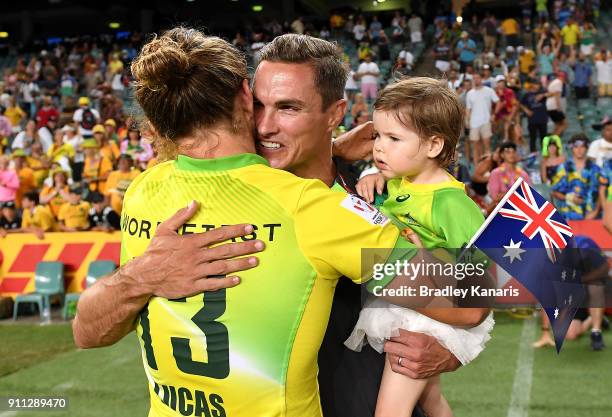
[110, 382]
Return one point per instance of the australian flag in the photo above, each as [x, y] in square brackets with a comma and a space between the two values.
[528, 238]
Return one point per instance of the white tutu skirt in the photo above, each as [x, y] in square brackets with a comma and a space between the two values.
[380, 321]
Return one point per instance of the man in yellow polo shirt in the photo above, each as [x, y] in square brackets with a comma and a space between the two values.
[36, 219]
[73, 216]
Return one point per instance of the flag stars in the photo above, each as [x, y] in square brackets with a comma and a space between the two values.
[556, 313]
[514, 251]
[563, 275]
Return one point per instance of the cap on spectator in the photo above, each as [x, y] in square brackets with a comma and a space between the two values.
[17, 153]
[95, 197]
[83, 101]
[98, 129]
[500, 78]
[464, 34]
[520, 49]
[110, 122]
[603, 123]
[90, 143]
[509, 48]
[59, 171]
[486, 67]
[579, 139]
[68, 128]
[8, 204]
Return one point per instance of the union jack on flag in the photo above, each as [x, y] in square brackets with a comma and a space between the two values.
[527, 237]
[538, 218]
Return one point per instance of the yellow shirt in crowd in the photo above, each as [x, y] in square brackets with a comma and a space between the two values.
[510, 27]
[56, 202]
[95, 169]
[116, 186]
[27, 183]
[570, 34]
[41, 217]
[55, 153]
[526, 60]
[75, 215]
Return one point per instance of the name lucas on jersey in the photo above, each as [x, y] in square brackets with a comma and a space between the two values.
[142, 228]
[191, 403]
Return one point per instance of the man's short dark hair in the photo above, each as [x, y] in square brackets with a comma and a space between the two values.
[95, 197]
[325, 58]
[32, 196]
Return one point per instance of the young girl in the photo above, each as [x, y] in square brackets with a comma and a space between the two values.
[417, 123]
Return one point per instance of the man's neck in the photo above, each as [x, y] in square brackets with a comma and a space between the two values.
[322, 169]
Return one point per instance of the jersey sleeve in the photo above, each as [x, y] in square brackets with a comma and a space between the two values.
[457, 232]
[333, 228]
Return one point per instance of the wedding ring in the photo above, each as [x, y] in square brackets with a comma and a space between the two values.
[399, 361]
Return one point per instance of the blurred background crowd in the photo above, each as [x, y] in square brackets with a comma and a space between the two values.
[536, 81]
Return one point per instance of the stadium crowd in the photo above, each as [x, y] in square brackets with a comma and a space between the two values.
[70, 146]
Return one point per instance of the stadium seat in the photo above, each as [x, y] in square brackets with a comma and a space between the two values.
[48, 281]
[97, 269]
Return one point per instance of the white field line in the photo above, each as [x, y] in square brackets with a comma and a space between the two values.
[521, 388]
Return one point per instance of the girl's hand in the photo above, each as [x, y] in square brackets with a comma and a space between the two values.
[368, 184]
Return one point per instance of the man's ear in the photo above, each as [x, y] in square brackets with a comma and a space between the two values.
[336, 113]
[436, 144]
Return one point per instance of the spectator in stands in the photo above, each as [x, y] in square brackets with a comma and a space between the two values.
[582, 77]
[600, 150]
[533, 104]
[75, 140]
[118, 181]
[570, 34]
[86, 118]
[506, 109]
[466, 48]
[479, 102]
[10, 222]
[36, 218]
[503, 177]
[553, 103]
[110, 128]
[27, 182]
[102, 218]
[297, 26]
[96, 167]
[39, 163]
[546, 58]
[56, 194]
[107, 148]
[510, 29]
[359, 30]
[46, 112]
[137, 147]
[14, 113]
[603, 65]
[526, 60]
[368, 74]
[359, 105]
[587, 34]
[29, 91]
[73, 215]
[489, 32]
[415, 25]
[60, 151]
[25, 139]
[552, 158]
[375, 28]
[576, 183]
[9, 181]
[5, 130]
[442, 54]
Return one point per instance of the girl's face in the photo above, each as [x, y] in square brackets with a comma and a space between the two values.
[552, 149]
[398, 150]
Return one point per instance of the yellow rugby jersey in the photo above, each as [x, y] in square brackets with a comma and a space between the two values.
[251, 350]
